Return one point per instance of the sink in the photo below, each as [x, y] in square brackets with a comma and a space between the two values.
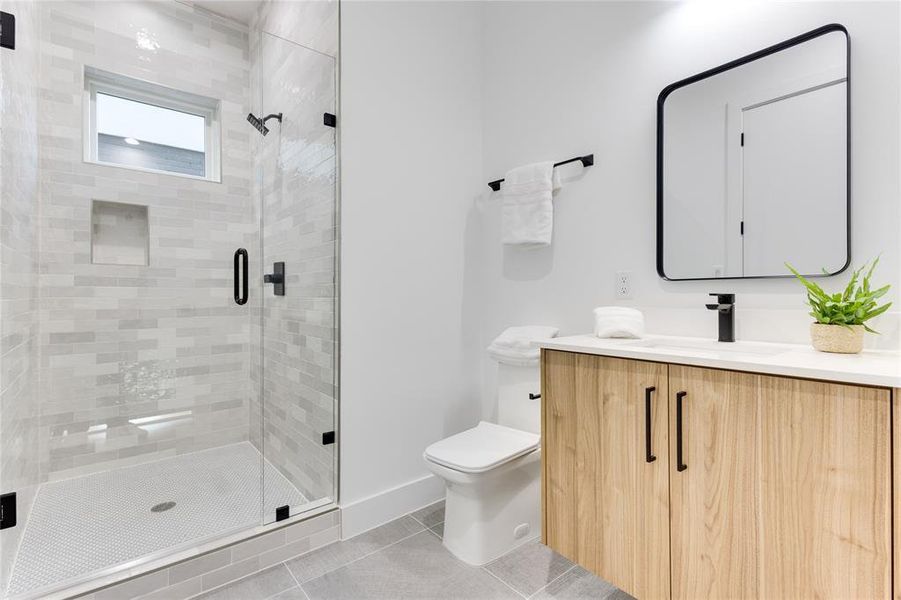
[709, 346]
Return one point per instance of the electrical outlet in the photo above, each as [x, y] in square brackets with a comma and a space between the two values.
[623, 285]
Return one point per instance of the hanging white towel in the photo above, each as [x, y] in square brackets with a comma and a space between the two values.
[528, 210]
[514, 345]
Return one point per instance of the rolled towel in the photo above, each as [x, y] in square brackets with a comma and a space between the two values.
[618, 322]
[514, 345]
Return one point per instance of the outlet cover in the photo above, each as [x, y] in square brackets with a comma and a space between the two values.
[623, 285]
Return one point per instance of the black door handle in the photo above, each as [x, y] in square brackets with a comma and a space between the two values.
[241, 254]
[649, 455]
[680, 465]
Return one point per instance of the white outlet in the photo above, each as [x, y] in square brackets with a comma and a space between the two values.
[623, 284]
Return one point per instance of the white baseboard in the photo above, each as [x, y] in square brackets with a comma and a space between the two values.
[364, 514]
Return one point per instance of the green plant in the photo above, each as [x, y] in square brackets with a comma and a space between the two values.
[855, 306]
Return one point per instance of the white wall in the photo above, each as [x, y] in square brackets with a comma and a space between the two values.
[589, 83]
[410, 131]
[439, 98]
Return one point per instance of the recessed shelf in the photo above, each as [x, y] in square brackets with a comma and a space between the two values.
[119, 234]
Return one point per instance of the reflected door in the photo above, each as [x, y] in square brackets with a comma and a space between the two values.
[795, 181]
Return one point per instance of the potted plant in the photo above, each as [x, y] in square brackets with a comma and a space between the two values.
[841, 317]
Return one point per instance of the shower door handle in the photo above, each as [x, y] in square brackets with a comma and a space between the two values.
[241, 255]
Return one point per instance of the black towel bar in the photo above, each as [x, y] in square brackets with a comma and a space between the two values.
[586, 161]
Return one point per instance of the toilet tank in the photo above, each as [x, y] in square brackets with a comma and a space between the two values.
[514, 408]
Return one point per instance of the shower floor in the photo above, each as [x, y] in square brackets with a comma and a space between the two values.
[88, 524]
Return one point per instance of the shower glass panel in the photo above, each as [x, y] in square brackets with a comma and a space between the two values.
[296, 178]
[145, 408]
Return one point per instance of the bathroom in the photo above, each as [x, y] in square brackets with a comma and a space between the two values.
[136, 371]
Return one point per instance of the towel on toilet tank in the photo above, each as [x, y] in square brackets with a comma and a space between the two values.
[618, 322]
[514, 345]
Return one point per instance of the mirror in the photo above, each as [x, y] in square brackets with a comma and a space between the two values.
[752, 164]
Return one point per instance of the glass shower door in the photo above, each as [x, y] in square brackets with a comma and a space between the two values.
[298, 368]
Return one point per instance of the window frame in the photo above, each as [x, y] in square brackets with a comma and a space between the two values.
[135, 90]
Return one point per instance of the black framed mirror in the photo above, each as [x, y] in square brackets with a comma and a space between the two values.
[753, 164]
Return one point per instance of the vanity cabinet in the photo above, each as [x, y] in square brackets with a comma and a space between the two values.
[762, 486]
[606, 487]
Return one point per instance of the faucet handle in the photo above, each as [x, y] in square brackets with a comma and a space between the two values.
[724, 298]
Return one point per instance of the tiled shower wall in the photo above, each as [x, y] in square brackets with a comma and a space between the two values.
[18, 269]
[120, 343]
[296, 167]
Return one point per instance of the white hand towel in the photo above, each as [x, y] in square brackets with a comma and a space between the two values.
[528, 209]
[514, 345]
[618, 322]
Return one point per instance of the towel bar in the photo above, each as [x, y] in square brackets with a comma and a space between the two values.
[586, 161]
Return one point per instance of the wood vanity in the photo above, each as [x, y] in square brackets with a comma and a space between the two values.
[671, 476]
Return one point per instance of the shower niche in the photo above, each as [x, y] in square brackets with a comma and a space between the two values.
[120, 234]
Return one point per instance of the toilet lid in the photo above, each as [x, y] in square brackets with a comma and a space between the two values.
[482, 448]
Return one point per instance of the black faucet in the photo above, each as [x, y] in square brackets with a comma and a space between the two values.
[726, 307]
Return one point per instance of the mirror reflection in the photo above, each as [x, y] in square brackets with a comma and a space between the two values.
[754, 164]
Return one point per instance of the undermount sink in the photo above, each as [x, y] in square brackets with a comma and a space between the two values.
[711, 346]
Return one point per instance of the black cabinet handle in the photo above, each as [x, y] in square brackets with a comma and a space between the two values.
[649, 455]
[680, 465]
[241, 254]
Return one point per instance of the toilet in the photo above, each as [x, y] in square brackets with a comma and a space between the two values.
[492, 474]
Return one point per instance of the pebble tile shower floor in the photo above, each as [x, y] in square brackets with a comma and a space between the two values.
[83, 525]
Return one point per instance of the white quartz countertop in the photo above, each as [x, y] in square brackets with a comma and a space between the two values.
[871, 367]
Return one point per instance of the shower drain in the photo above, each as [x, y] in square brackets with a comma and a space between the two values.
[162, 506]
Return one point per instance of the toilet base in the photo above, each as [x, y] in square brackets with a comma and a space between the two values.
[490, 514]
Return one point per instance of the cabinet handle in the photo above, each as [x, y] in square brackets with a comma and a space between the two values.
[680, 465]
[649, 455]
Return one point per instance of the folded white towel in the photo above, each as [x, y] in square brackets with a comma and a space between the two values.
[528, 210]
[514, 345]
[618, 322]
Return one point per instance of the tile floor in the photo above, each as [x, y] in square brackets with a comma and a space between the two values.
[83, 525]
[404, 559]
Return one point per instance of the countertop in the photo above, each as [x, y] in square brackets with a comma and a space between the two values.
[871, 367]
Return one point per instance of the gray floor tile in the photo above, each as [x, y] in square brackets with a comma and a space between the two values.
[294, 593]
[579, 584]
[326, 559]
[431, 515]
[530, 567]
[257, 586]
[438, 530]
[418, 568]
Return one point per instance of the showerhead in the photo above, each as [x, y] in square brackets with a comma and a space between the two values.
[260, 124]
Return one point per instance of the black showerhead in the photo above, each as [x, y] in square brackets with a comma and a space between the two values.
[260, 124]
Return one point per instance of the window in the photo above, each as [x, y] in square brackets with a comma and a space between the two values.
[140, 125]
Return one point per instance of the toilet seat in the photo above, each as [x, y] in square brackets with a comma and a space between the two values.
[482, 448]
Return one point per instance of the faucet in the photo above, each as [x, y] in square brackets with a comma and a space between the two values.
[726, 307]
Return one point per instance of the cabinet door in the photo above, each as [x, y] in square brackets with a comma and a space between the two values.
[607, 497]
[825, 490]
[785, 491]
[714, 501]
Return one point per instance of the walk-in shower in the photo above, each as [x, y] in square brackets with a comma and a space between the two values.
[145, 409]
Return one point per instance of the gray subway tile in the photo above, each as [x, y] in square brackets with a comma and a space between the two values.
[263, 584]
[139, 586]
[200, 565]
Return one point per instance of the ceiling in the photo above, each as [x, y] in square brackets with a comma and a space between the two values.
[239, 10]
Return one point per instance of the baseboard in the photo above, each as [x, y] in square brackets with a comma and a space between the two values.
[367, 513]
